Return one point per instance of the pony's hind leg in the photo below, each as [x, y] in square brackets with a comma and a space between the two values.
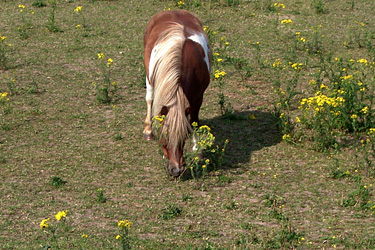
[147, 132]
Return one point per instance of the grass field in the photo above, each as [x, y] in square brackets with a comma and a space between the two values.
[294, 176]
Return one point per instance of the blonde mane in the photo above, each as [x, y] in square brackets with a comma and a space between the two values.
[165, 77]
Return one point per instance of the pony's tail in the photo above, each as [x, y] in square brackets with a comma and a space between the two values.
[167, 55]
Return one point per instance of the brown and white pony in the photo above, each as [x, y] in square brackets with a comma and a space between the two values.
[177, 59]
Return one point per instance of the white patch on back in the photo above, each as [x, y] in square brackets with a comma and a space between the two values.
[200, 38]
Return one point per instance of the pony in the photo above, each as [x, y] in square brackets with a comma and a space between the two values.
[177, 58]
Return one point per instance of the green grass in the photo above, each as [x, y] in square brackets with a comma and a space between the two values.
[59, 145]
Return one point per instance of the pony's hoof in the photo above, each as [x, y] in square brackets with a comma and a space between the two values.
[148, 137]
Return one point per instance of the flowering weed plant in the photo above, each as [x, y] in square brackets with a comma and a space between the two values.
[105, 90]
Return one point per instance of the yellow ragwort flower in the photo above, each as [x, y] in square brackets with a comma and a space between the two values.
[124, 224]
[287, 21]
[109, 62]
[44, 223]
[101, 56]
[78, 9]
[61, 214]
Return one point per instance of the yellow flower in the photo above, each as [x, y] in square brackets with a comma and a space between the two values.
[78, 26]
[346, 77]
[219, 74]
[322, 86]
[207, 161]
[61, 214]
[159, 118]
[78, 9]
[84, 236]
[279, 5]
[252, 117]
[109, 62]
[363, 61]
[364, 110]
[354, 116]
[118, 237]
[21, 7]
[287, 21]
[124, 224]
[205, 127]
[286, 136]
[302, 39]
[277, 63]
[204, 166]
[298, 120]
[220, 59]
[44, 223]
[101, 56]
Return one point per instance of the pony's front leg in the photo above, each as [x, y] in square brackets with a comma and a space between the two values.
[147, 132]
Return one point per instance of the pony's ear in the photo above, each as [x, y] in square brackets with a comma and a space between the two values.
[164, 111]
[187, 111]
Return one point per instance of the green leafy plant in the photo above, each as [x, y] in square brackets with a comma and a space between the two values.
[170, 212]
[57, 182]
[100, 198]
[206, 155]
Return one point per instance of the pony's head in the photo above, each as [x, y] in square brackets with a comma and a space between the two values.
[173, 133]
[175, 165]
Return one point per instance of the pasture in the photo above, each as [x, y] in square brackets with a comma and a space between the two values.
[292, 89]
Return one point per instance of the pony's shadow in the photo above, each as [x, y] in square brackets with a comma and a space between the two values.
[247, 132]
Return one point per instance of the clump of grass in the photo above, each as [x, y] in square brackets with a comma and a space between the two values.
[170, 212]
[39, 3]
[360, 198]
[100, 198]
[368, 152]
[57, 182]
[320, 6]
[11, 84]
